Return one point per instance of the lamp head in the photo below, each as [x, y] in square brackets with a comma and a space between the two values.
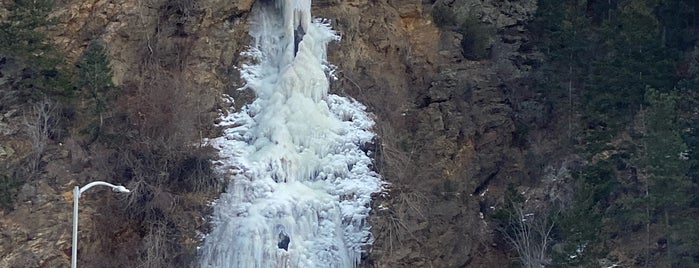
[121, 189]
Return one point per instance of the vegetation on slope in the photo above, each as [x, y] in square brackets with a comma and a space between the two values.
[145, 134]
[622, 77]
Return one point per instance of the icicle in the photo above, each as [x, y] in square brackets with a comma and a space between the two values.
[301, 184]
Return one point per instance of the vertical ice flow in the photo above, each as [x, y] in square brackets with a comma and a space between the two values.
[300, 183]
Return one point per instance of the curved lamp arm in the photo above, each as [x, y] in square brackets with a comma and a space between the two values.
[119, 188]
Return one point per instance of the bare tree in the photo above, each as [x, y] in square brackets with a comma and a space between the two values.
[38, 127]
[157, 247]
[530, 235]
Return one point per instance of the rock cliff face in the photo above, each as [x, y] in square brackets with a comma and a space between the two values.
[199, 40]
[446, 80]
[445, 122]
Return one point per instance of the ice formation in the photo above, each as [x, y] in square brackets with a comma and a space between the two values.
[300, 184]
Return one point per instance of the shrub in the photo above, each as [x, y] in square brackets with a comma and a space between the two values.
[8, 190]
[152, 145]
[528, 231]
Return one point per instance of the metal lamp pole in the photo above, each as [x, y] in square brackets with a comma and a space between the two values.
[77, 191]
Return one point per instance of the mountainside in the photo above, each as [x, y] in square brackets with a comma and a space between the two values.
[494, 119]
[445, 121]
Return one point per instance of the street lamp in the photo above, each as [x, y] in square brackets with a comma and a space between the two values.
[77, 191]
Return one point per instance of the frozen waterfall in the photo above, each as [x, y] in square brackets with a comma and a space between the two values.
[300, 184]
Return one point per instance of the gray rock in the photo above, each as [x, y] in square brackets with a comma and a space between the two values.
[10, 113]
[6, 151]
[6, 129]
[28, 192]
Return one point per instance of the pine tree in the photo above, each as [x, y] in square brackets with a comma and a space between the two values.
[631, 58]
[19, 34]
[23, 39]
[668, 189]
[96, 77]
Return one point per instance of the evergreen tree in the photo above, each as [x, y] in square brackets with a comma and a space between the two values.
[664, 162]
[564, 36]
[96, 76]
[631, 58]
[603, 55]
[20, 34]
[22, 38]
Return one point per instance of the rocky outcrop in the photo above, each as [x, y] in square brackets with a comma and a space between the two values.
[203, 38]
[445, 122]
